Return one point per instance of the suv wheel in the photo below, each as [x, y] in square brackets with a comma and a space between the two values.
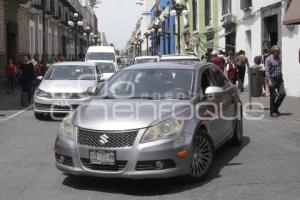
[39, 116]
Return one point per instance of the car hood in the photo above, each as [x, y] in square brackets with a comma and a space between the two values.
[116, 114]
[66, 86]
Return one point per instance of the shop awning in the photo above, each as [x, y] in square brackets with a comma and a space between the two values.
[293, 15]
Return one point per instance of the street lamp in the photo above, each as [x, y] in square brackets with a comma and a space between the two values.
[147, 34]
[88, 33]
[179, 9]
[75, 23]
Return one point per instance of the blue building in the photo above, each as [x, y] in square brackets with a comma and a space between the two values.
[163, 29]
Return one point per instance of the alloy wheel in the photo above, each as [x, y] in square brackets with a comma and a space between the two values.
[202, 156]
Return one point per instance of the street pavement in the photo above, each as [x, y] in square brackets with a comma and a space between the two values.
[267, 167]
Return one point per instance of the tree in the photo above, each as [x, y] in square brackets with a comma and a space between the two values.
[94, 3]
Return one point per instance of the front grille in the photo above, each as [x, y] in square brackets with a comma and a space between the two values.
[40, 106]
[150, 165]
[67, 160]
[66, 96]
[111, 138]
[120, 165]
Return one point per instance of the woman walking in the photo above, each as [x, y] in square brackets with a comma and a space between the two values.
[230, 69]
[11, 71]
[241, 64]
[27, 79]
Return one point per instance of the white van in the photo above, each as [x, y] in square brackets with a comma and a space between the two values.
[101, 53]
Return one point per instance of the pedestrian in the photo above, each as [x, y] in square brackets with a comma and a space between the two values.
[11, 72]
[218, 60]
[231, 69]
[263, 57]
[241, 64]
[37, 67]
[27, 78]
[275, 80]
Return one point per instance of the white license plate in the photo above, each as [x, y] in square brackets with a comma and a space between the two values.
[103, 157]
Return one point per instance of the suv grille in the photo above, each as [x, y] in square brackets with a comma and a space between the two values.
[108, 139]
[120, 165]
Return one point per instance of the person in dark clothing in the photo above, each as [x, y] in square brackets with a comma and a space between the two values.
[27, 77]
[275, 81]
[241, 64]
[11, 72]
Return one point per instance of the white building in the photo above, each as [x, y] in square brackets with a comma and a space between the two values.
[254, 25]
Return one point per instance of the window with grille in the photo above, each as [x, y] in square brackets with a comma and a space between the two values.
[207, 12]
[226, 7]
[246, 4]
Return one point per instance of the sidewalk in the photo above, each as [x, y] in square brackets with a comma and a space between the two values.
[290, 108]
[10, 103]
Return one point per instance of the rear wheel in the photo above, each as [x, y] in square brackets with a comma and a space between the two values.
[203, 157]
[237, 138]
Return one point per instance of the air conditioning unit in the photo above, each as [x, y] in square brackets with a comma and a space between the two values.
[229, 19]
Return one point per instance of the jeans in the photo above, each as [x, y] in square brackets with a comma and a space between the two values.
[276, 88]
[11, 84]
[241, 79]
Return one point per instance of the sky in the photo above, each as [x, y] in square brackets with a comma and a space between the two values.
[117, 18]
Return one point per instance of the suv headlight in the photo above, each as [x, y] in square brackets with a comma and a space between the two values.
[66, 128]
[41, 93]
[168, 129]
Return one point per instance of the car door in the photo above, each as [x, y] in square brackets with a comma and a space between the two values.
[228, 101]
[208, 111]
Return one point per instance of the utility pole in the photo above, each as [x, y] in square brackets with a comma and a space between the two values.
[44, 37]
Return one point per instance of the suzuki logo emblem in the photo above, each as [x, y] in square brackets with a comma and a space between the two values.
[103, 139]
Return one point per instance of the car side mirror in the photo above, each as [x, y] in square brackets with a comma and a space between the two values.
[92, 90]
[39, 78]
[102, 79]
[214, 92]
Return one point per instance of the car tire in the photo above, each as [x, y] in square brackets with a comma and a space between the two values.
[39, 116]
[237, 138]
[203, 156]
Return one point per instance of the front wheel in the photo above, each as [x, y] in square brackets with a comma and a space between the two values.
[39, 116]
[203, 157]
[237, 138]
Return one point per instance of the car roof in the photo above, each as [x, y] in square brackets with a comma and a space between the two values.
[74, 63]
[101, 49]
[178, 57]
[164, 65]
[144, 57]
[101, 61]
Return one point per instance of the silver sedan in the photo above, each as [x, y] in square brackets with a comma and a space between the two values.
[65, 86]
[152, 121]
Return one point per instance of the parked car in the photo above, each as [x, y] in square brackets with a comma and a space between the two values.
[182, 59]
[101, 53]
[106, 68]
[152, 121]
[146, 59]
[64, 87]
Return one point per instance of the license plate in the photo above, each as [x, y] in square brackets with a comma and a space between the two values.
[103, 157]
[63, 103]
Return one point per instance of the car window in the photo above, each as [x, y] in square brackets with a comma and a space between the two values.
[219, 78]
[206, 81]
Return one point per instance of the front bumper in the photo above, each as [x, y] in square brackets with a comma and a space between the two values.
[47, 105]
[155, 151]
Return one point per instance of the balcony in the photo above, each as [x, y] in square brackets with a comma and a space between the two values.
[38, 4]
[229, 20]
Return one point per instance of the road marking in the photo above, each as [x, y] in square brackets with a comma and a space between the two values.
[16, 114]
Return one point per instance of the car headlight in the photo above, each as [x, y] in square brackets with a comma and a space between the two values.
[168, 129]
[66, 128]
[41, 93]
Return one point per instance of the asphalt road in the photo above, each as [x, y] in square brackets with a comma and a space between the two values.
[266, 167]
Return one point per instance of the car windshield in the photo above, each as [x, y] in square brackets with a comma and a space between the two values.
[106, 67]
[71, 72]
[145, 60]
[100, 56]
[150, 84]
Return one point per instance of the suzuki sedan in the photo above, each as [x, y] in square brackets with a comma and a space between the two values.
[152, 121]
[64, 87]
